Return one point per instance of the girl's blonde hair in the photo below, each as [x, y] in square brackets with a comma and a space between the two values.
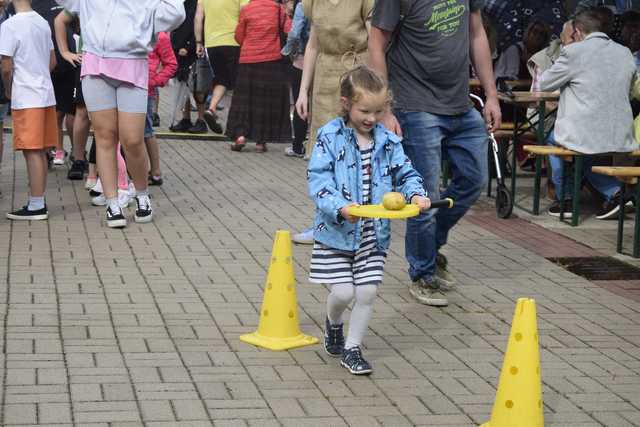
[362, 79]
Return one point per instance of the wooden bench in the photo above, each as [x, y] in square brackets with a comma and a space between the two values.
[626, 175]
[577, 158]
[568, 155]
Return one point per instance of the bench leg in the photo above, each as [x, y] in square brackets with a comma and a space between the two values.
[636, 227]
[536, 186]
[577, 180]
[620, 220]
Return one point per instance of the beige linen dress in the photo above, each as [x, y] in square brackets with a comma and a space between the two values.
[340, 26]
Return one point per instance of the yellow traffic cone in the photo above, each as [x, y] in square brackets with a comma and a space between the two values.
[279, 328]
[519, 397]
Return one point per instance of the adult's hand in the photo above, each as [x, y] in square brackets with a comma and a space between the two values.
[302, 105]
[391, 122]
[74, 59]
[183, 52]
[492, 114]
[200, 50]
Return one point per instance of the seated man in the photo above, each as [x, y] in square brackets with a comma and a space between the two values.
[595, 77]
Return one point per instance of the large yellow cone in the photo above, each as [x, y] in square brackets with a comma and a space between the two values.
[278, 328]
[519, 397]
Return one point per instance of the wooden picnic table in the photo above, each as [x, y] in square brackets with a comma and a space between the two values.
[517, 84]
[528, 99]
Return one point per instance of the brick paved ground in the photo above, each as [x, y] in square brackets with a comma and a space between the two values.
[112, 328]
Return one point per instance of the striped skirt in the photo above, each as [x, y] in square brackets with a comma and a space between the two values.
[363, 267]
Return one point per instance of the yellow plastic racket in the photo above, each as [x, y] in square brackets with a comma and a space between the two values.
[378, 211]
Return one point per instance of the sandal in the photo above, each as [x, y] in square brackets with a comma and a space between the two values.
[261, 148]
[239, 144]
[211, 118]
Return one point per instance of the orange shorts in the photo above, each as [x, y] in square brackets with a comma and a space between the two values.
[34, 128]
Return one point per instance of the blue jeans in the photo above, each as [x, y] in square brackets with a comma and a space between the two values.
[607, 186]
[462, 140]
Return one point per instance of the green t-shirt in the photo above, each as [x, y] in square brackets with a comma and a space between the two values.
[220, 21]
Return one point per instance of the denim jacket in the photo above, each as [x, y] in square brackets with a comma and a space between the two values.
[298, 35]
[335, 181]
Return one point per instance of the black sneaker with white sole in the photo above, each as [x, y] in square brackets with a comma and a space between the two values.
[115, 219]
[554, 209]
[333, 339]
[354, 362]
[25, 214]
[610, 208]
[144, 212]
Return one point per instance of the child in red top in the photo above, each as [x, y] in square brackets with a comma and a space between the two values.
[260, 105]
[162, 67]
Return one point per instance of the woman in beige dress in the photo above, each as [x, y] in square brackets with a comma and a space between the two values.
[337, 43]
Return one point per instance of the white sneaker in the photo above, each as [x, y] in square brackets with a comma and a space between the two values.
[58, 157]
[100, 200]
[97, 187]
[90, 183]
[124, 198]
[304, 238]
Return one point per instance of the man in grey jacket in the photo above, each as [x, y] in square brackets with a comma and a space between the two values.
[595, 76]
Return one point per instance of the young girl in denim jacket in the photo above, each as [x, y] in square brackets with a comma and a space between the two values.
[355, 161]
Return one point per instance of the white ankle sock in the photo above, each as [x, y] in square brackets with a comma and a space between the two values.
[35, 203]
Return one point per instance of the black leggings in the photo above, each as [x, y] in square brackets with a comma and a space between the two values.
[300, 126]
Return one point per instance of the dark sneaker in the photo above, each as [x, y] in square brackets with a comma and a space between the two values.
[198, 127]
[333, 339]
[155, 181]
[354, 362]
[144, 213]
[445, 280]
[554, 209]
[212, 121]
[182, 126]
[428, 293]
[115, 219]
[76, 173]
[156, 120]
[25, 214]
[609, 209]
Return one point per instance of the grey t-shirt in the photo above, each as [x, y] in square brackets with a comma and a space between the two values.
[428, 61]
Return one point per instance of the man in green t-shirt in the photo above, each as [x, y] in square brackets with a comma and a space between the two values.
[215, 26]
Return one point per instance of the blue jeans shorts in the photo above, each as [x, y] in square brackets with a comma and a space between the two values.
[148, 124]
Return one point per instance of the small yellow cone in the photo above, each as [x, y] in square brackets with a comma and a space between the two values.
[279, 328]
[519, 397]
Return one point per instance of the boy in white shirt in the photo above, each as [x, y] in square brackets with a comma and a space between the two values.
[27, 60]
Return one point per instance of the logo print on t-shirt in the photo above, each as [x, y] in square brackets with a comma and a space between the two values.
[446, 17]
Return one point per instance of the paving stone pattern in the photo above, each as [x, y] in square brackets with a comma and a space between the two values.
[140, 327]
